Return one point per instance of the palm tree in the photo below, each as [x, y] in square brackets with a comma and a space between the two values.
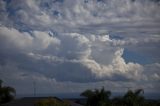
[6, 93]
[103, 97]
[89, 95]
[1, 83]
[134, 98]
[97, 97]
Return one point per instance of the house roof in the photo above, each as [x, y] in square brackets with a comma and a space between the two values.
[30, 101]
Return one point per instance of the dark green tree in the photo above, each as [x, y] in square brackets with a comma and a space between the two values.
[6, 93]
[89, 95]
[97, 97]
[1, 83]
[134, 98]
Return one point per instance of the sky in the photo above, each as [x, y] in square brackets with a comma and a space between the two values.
[73, 45]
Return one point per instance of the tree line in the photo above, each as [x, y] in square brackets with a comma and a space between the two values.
[130, 98]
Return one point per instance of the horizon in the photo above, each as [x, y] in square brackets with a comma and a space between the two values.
[72, 45]
[74, 95]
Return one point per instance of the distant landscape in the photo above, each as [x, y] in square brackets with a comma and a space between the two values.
[154, 96]
[96, 97]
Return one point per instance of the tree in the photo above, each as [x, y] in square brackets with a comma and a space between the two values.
[6, 93]
[134, 98]
[1, 83]
[89, 94]
[97, 97]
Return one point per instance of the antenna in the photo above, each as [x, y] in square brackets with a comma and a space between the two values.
[34, 88]
[128, 88]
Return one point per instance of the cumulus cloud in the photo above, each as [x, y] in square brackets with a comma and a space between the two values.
[151, 72]
[71, 53]
[116, 69]
[75, 46]
[37, 41]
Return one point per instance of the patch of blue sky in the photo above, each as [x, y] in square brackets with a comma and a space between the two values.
[10, 10]
[131, 56]
[8, 1]
[115, 36]
[56, 13]
[60, 1]
[23, 28]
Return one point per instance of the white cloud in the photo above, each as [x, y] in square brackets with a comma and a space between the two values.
[70, 46]
[94, 56]
[12, 38]
[151, 72]
[74, 46]
[117, 66]
[42, 40]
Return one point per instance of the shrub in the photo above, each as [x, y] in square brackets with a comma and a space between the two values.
[51, 102]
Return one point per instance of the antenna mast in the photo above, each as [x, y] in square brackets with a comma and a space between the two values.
[34, 88]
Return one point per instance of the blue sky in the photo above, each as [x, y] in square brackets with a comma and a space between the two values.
[73, 45]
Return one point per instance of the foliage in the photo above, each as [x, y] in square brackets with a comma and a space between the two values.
[102, 98]
[134, 98]
[1, 83]
[6, 93]
[51, 102]
[97, 97]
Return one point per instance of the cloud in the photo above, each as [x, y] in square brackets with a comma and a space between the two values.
[10, 37]
[70, 53]
[116, 68]
[75, 46]
[72, 43]
[24, 41]
[47, 14]
[23, 81]
[151, 72]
